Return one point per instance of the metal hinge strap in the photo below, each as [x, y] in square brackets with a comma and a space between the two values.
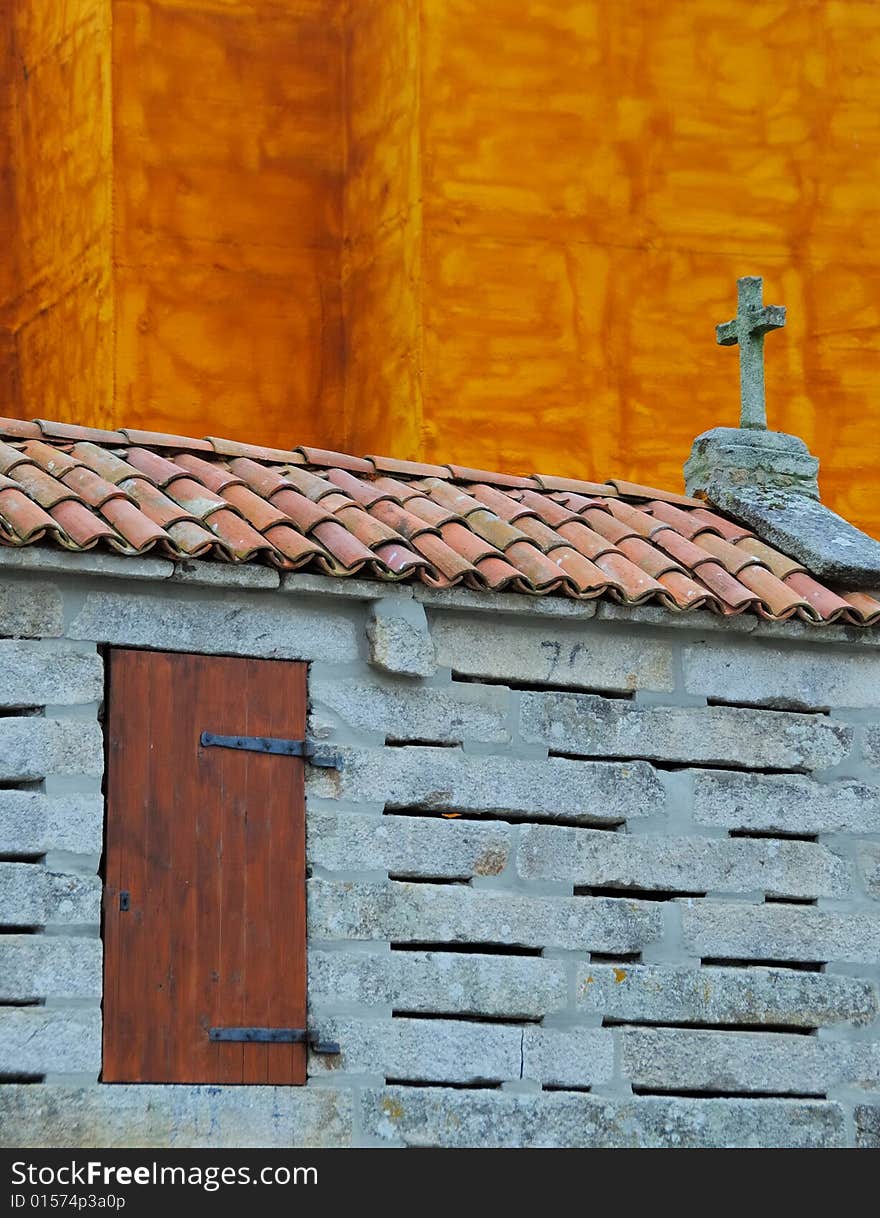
[276, 1036]
[315, 755]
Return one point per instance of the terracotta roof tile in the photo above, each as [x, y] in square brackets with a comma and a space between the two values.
[828, 605]
[19, 429]
[502, 505]
[70, 431]
[728, 529]
[154, 503]
[323, 457]
[136, 491]
[584, 539]
[232, 448]
[779, 564]
[158, 469]
[729, 591]
[686, 593]
[634, 584]
[865, 607]
[10, 457]
[732, 558]
[188, 538]
[301, 511]
[778, 599]
[344, 551]
[653, 562]
[447, 561]
[161, 439]
[634, 490]
[462, 473]
[42, 487]
[549, 482]
[294, 550]
[216, 477]
[412, 469]
[81, 527]
[135, 528]
[91, 487]
[23, 520]
[499, 574]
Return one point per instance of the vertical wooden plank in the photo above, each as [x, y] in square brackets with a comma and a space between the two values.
[211, 845]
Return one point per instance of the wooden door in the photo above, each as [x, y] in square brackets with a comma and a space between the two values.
[204, 900]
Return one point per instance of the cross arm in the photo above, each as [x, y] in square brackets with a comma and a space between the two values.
[726, 334]
[771, 317]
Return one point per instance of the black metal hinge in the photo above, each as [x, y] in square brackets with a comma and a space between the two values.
[314, 754]
[276, 1036]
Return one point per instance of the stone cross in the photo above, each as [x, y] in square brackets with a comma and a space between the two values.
[753, 320]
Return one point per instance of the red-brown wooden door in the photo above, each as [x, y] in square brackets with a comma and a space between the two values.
[209, 846]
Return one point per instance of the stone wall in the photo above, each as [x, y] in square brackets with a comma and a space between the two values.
[587, 876]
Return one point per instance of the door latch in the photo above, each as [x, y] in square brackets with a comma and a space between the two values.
[276, 1036]
[314, 754]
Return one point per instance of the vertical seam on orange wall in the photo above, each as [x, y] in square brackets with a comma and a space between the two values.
[113, 288]
[343, 253]
[419, 404]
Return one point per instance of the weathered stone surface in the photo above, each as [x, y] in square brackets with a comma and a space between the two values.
[32, 895]
[785, 803]
[421, 1050]
[448, 714]
[778, 932]
[29, 610]
[520, 987]
[438, 779]
[399, 638]
[40, 1040]
[93, 562]
[308, 584]
[868, 857]
[175, 1117]
[594, 726]
[697, 620]
[407, 845]
[568, 1057]
[33, 967]
[871, 743]
[236, 624]
[776, 1063]
[644, 993]
[593, 857]
[867, 1126]
[35, 674]
[32, 823]
[797, 678]
[452, 913]
[829, 546]
[742, 462]
[224, 574]
[557, 653]
[470, 599]
[440, 1116]
[32, 747]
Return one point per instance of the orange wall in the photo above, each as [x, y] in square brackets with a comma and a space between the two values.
[497, 231]
[228, 156]
[55, 275]
[207, 296]
[594, 176]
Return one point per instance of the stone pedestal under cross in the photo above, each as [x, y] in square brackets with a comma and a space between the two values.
[753, 320]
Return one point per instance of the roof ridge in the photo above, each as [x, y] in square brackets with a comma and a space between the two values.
[59, 433]
[391, 519]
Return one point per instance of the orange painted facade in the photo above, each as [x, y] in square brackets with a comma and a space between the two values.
[495, 231]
